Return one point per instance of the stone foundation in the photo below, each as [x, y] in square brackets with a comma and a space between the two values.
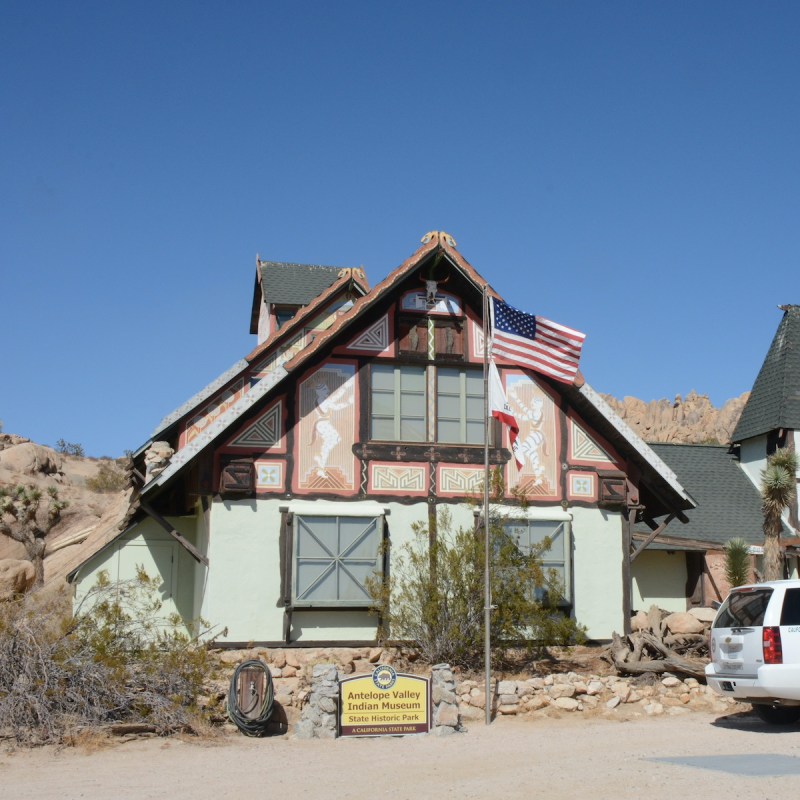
[309, 678]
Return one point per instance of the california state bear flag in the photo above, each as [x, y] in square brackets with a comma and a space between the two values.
[501, 410]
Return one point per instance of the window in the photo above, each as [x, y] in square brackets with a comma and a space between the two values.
[334, 557]
[459, 406]
[530, 533]
[400, 402]
[743, 608]
[284, 315]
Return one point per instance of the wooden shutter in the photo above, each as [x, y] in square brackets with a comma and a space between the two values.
[237, 476]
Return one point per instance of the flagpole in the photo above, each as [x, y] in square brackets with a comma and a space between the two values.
[487, 610]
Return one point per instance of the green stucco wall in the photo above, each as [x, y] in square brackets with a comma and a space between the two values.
[597, 570]
[150, 546]
[659, 578]
[239, 594]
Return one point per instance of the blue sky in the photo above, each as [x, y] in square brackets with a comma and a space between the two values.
[627, 168]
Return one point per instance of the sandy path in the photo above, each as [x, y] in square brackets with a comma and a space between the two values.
[547, 758]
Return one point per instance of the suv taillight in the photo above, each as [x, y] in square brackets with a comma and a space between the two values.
[773, 651]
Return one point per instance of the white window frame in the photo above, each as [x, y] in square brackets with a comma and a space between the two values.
[548, 558]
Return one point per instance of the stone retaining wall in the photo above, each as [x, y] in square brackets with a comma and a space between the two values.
[458, 699]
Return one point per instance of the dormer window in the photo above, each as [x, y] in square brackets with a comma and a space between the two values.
[283, 315]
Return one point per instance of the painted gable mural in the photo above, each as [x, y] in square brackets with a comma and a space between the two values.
[327, 429]
[537, 416]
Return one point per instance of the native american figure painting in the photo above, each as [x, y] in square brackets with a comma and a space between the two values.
[536, 415]
[327, 429]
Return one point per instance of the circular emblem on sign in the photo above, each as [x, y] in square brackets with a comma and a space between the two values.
[384, 676]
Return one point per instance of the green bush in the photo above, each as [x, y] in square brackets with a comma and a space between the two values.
[110, 477]
[434, 598]
[115, 660]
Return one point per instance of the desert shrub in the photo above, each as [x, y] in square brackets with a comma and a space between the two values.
[70, 448]
[110, 477]
[434, 598]
[115, 660]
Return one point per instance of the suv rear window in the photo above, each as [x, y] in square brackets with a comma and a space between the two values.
[743, 609]
[790, 613]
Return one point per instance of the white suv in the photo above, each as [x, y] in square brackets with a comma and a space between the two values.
[755, 649]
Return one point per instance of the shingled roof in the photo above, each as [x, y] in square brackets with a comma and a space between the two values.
[775, 399]
[295, 284]
[728, 505]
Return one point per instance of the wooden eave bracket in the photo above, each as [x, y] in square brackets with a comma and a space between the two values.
[653, 535]
[182, 541]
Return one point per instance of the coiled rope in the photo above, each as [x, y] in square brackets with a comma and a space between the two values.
[241, 709]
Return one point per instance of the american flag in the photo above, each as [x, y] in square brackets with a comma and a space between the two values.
[535, 342]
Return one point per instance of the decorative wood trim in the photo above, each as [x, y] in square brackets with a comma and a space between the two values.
[406, 451]
[285, 545]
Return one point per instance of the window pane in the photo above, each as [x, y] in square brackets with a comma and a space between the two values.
[449, 380]
[743, 609]
[383, 378]
[412, 379]
[475, 432]
[412, 430]
[449, 431]
[383, 429]
[790, 615]
[449, 407]
[382, 404]
[475, 408]
[475, 382]
[412, 405]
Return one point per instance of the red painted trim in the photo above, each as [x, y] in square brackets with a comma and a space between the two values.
[614, 458]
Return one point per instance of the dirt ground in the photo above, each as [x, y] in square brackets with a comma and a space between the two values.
[734, 756]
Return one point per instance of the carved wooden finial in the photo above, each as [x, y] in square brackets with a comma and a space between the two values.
[441, 235]
[352, 272]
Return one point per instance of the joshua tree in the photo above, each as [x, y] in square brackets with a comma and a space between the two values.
[26, 520]
[778, 490]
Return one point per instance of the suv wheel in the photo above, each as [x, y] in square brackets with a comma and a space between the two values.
[778, 715]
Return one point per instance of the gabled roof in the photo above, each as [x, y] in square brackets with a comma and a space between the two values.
[346, 277]
[431, 242]
[775, 399]
[728, 505]
[288, 284]
[665, 491]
